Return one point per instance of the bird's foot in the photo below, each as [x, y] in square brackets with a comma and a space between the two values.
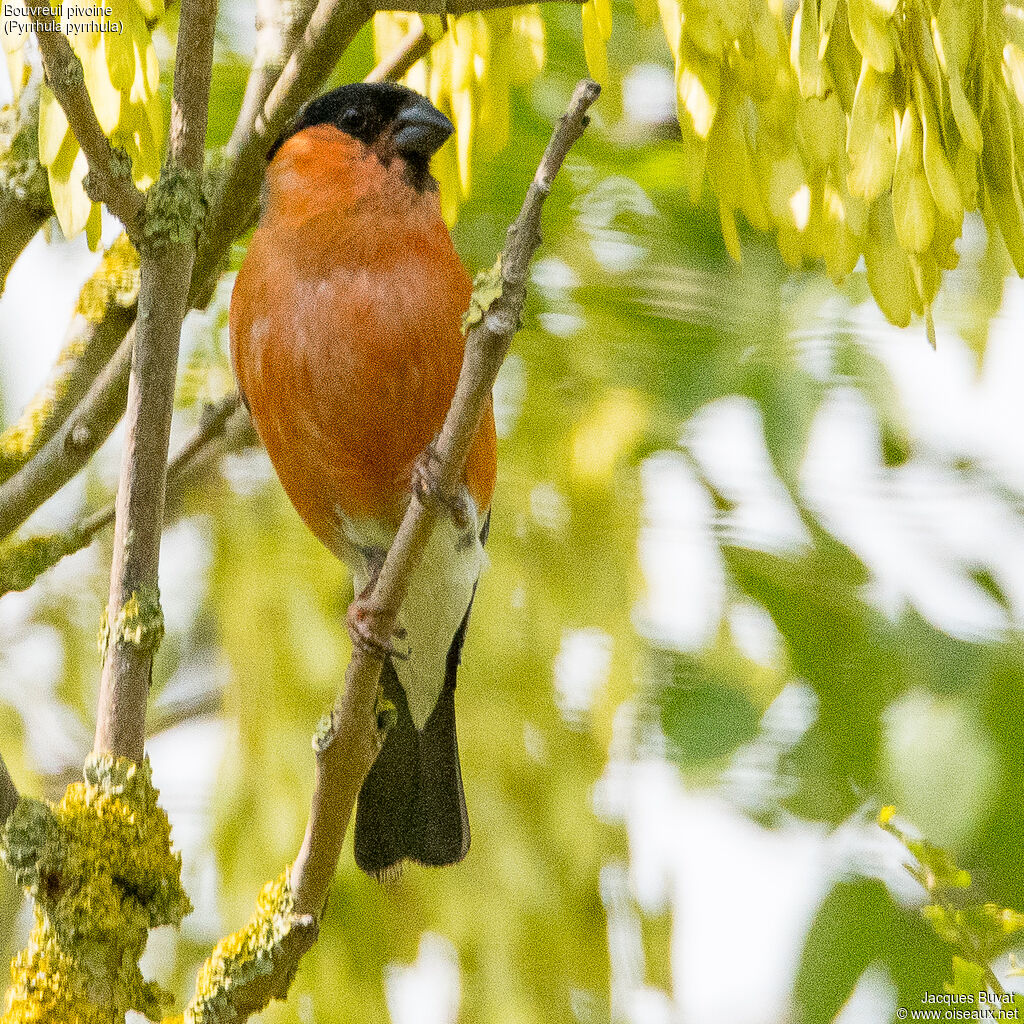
[364, 618]
[426, 485]
[364, 627]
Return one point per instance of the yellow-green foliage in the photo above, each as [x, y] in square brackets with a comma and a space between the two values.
[468, 75]
[597, 30]
[100, 867]
[122, 75]
[242, 960]
[862, 127]
[114, 283]
[977, 931]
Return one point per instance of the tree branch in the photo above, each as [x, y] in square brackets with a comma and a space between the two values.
[110, 175]
[133, 620]
[279, 25]
[71, 446]
[350, 746]
[414, 46]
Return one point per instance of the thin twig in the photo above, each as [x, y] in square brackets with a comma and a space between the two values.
[23, 561]
[110, 179]
[279, 26]
[8, 793]
[412, 48]
[349, 751]
[163, 302]
[212, 425]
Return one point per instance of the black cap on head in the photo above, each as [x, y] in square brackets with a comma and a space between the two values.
[390, 117]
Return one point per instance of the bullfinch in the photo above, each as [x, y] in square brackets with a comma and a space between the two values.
[346, 341]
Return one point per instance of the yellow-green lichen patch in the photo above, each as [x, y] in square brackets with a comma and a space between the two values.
[140, 622]
[253, 965]
[21, 561]
[324, 733]
[487, 286]
[175, 209]
[114, 283]
[101, 869]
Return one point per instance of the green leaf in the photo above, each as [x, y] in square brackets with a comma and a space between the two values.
[859, 925]
[704, 711]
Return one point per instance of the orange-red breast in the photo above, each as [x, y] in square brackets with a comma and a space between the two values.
[345, 336]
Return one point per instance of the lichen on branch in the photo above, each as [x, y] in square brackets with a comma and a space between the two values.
[255, 964]
[487, 287]
[139, 622]
[175, 208]
[102, 871]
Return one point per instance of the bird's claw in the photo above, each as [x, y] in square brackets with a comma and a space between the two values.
[365, 634]
[426, 485]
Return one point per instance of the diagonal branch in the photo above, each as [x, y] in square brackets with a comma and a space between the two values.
[415, 45]
[103, 315]
[134, 623]
[23, 560]
[350, 747]
[110, 177]
[71, 446]
[279, 26]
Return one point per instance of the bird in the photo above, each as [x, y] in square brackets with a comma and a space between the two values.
[346, 342]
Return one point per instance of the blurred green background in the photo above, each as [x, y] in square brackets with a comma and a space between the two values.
[756, 569]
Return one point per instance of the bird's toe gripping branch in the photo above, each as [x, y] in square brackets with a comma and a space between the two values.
[369, 626]
[429, 491]
[367, 631]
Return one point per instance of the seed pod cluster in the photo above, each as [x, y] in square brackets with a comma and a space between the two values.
[468, 75]
[861, 127]
[122, 76]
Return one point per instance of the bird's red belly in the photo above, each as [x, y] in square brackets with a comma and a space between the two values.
[349, 372]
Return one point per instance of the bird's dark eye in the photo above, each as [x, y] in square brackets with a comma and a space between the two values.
[353, 120]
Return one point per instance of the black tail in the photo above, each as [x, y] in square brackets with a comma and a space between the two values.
[412, 806]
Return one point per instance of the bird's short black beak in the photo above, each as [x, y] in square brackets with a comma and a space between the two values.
[421, 129]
